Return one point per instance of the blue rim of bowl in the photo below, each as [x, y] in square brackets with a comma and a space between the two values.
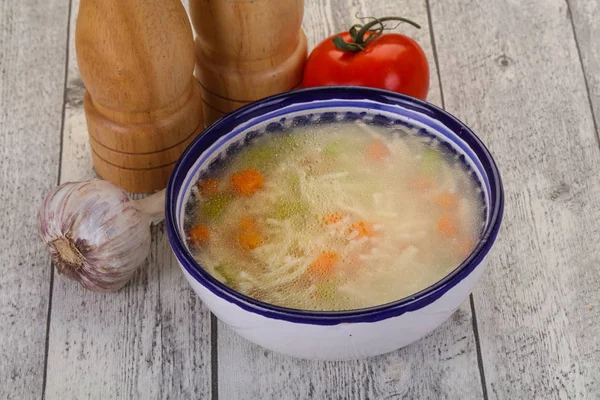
[371, 314]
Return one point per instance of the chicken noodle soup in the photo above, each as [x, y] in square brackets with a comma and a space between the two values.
[335, 216]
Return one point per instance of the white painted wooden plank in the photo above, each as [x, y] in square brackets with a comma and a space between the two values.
[441, 366]
[511, 70]
[151, 340]
[585, 15]
[32, 69]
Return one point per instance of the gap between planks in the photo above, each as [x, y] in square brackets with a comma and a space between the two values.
[512, 72]
[471, 299]
[214, 325]
[583, 72]
[158, 344]
[58, 180]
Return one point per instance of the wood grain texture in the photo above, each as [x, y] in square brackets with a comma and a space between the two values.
[441, 366]
[142, 105]
[585, 15]
[32, 69]
[511, 70]
[247, 50]
[150, 340]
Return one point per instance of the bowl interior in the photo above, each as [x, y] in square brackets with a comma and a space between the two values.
[276, 114]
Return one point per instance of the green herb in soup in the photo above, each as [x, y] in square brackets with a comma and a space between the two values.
[335, 217]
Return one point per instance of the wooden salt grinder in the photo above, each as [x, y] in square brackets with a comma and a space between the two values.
[246, 50]
[142, 105]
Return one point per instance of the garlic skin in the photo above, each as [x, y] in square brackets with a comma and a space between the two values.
[96, 234]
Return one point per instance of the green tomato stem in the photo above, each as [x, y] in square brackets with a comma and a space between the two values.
[360, 38]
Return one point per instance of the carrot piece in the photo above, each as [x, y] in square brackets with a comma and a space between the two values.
[446, 225]
[446, 200]
[250, 240]
[377, 150]
[199, 234]
[323, 265]
[247, 223]
[364, 228]
[420, 184]
[208, 187]
[247, 182]
[249, 237]
[465, 246]
[332, 218]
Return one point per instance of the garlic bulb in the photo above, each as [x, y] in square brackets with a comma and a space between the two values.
[96, 234]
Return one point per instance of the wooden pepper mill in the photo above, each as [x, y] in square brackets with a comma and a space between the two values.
[142, 105]
[246, 50]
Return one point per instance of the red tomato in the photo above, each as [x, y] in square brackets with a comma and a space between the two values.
[392, 61]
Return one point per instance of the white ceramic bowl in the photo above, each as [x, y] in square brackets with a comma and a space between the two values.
[345, 334]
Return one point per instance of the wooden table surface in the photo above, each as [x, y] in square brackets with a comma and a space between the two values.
[525, 75]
